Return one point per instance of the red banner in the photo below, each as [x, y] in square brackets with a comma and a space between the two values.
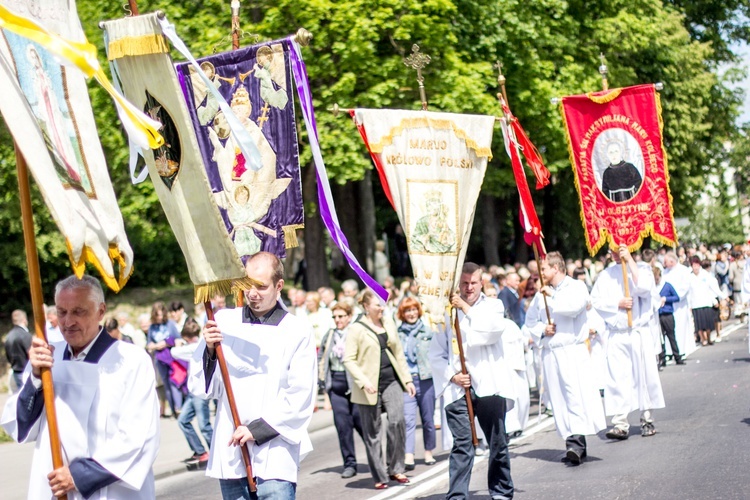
[620, 166]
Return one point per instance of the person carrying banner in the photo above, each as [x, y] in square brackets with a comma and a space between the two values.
[632, 380]
[569, 376]
[270, 356]
[99, 383]
[489, 377]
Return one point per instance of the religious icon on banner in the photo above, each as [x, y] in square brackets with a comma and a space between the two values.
[620, 166]
[168, 156]
[432, 217]
[261, 208]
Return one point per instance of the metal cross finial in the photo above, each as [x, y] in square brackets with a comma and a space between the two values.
[603, 71]
[418, 60]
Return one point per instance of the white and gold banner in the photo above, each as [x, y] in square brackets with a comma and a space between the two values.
[141, 62]
[431, 166]
[46, 106]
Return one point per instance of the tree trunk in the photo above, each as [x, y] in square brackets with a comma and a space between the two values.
[367, 223]
[315, 241]
[490, 229]
[346, 200]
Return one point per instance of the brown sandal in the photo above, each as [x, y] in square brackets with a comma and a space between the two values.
[381, 486]
[400, 478]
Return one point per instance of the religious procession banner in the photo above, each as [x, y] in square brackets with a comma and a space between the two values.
[261, 209]
[140, 59]
[620, 166]
[431, 166]
[46, 106]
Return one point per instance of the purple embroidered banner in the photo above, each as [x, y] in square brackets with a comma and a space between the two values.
[262, 209]
[325, 198]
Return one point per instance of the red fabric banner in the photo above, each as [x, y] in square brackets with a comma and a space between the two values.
[620, 166]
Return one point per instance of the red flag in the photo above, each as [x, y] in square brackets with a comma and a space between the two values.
[620, 166]
[529, 151]
[529, 220]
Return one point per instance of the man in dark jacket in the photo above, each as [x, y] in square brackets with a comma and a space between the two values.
[17, 346]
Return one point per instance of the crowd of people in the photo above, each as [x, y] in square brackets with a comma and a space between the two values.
[568, 329]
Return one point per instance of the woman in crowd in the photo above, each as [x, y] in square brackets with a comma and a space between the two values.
[332, 375]
[320, 319]
[704, 294]
[415, 338]
[375, 360]
[162, 335]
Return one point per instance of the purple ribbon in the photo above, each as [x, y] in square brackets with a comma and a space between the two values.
[325, 199]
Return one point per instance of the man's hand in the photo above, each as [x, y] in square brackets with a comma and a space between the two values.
[462, 380]
[663, 301]
[625, 254]
[547, 290]
[40, 356]
[370, 389]
[212, 336]
[459, 303]
[626, 303]
[241, 436]
[60, 481]
[550, 330]
[410, 389]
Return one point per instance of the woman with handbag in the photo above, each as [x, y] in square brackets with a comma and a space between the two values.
[162, 335]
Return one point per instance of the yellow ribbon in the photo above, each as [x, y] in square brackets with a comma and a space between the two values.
[83, 56]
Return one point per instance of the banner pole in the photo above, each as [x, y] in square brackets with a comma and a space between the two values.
[232, 403]
[37, 303]
[467, 390]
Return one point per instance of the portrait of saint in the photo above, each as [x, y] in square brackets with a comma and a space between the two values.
[618, 164]
[434, 231]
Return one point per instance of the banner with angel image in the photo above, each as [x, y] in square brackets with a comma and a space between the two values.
[261, 209]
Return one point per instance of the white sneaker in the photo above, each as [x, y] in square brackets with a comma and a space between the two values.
[718, 338]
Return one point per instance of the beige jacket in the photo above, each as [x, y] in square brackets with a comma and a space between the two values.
[362, 359]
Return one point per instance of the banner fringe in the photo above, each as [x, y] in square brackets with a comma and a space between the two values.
[114, 283]
[137, 46]
[599, 98]
[290, 235]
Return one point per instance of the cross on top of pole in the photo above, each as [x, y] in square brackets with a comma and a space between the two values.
[418, 60]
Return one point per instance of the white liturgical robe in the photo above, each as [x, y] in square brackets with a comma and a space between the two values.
[568, 368]
[632, 374]
[108, 415]
[679, 277]
[273, 369]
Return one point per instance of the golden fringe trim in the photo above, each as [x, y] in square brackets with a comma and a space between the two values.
[648, 230]
[137, 46]
[433, 123]
[604, 98]
[204, 293]
[115, 283]
[290, 235]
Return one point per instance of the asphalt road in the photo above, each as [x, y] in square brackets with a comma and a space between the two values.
[700, 449]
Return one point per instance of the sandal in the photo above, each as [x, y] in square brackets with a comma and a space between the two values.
[381, 486]
[400, 478]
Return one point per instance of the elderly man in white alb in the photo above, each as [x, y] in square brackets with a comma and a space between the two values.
[632, 381]
[678, 276]
[271, 360]
[568, 371]
[105, 397]
[489, 377]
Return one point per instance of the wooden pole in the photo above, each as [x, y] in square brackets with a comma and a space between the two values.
[235, 24]
[541, 281]
[37, 303]
[467, 390]
[133, 7]
[232, 403]
[626, 286]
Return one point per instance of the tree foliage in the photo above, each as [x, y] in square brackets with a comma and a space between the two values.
[549, 48]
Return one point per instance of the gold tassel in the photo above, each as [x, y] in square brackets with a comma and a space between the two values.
[290, 235]
[604, 98]
[137, 46]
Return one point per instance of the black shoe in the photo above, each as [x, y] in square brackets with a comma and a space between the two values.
[680, 361]
[409, 467]
[574, 457]
[349, 472]
[615, 433]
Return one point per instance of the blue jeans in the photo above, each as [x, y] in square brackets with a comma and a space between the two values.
[425, 401]
[490, 411]
[191, 408]
[273, 489]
